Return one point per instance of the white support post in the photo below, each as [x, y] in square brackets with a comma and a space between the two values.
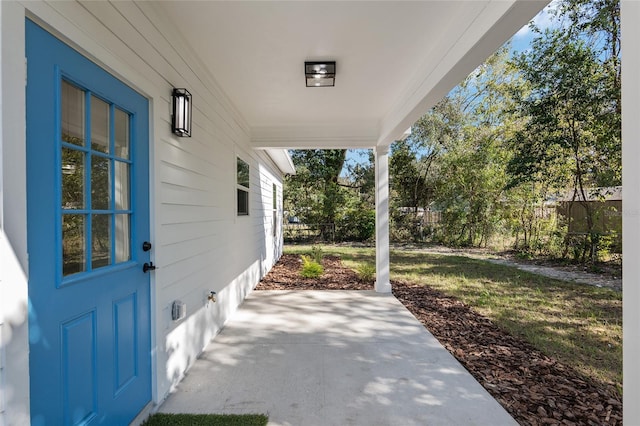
[630, 15]
[383, 283]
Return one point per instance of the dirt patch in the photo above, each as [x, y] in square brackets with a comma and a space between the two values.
[533, 388]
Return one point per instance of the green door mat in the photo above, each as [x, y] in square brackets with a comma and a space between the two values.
[160, 419]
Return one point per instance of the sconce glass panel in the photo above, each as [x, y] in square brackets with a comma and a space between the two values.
[181, 120]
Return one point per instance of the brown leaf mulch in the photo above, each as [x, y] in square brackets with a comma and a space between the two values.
[533, 388]
[285, 275]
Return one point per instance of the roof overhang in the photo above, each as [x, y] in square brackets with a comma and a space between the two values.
[394, 61]
[283, 161]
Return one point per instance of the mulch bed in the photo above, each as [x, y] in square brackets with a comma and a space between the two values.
[534, 388]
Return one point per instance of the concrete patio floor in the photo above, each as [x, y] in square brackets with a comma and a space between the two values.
[332, 358]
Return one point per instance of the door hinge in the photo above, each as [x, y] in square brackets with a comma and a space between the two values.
[25, 71]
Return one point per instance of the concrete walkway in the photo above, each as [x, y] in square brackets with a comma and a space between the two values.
[327, 358]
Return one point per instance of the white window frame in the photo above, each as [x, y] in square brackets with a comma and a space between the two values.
[275, 209]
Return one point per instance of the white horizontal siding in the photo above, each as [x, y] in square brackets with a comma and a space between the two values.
[199, 242]
[2, 362]
[3, 292]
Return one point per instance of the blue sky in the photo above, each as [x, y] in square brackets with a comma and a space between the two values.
[519, 42]
[543, 20]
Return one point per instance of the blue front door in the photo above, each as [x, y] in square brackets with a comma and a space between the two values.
[88, 216]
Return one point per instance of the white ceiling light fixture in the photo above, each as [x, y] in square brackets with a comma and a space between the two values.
[320, 74]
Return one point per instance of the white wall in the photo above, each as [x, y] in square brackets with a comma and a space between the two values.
[14, 378]
[2, 385]
[200, 244]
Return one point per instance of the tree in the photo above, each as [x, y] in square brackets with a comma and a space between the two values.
[455, 159]
[570, 140]
[597, 22]
[313, 193]
[339, 207]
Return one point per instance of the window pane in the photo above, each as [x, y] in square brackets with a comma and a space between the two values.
[72, 179]
[100, 187]
[122, 185]
[100, 240]
[99, 125]
[122, 134]
[275, 197]
[275, 223]
[243, 202]
[243, 173]
[123, 238]
[72, 114]
[73, 244]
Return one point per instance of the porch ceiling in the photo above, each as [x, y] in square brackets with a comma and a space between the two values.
[394, 61]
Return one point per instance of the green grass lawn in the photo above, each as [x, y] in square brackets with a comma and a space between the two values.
[578, 324]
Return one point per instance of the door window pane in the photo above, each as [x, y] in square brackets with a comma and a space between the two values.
[72, 114]
[100, 187]
[100, 240]
[121, 124]
[122, 185]
[73, 244]
[99, 125]
[98, 181]
[72, 179]
[123, 248]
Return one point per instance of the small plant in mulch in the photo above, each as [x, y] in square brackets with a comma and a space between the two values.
[310, 268]
[317, 254]
[366, 272]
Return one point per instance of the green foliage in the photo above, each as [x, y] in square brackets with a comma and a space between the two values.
[357, 224]
[164, 419]
[366, 272]
[513, 135]
[310, 268]
[565, 141]
[313, 193]
[454, 161]
[607, 246]
[572, 140]
[336, 207]
[317, 254]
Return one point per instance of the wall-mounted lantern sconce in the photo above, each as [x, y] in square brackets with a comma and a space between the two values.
[320, 74]
[181, 120]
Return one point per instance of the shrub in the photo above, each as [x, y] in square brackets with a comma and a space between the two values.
[606, 246]
[356, 224]
[366, 272]
[317, 254]
[310, 268]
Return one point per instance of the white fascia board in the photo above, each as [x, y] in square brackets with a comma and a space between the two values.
[498, 22]
[282, 159]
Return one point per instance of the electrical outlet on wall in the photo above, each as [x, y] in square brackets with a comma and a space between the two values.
[178, 310]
